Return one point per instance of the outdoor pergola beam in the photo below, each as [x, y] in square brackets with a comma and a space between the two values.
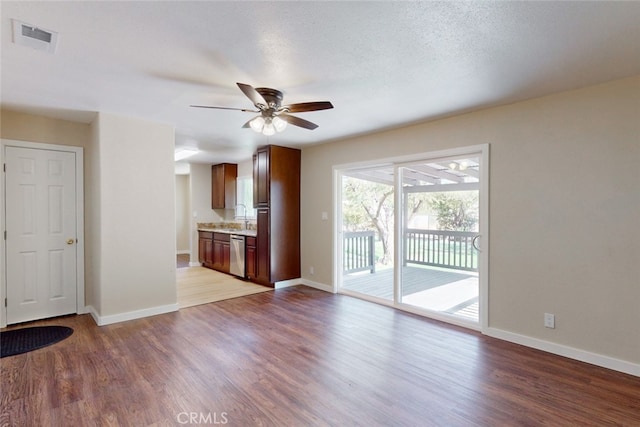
[440, 173]
[439, 188]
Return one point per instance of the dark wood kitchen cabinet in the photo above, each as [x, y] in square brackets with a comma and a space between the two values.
[250, 257]
[261, 177]
[205, 248]
[276, 175]
[221, 252]
[223, 186]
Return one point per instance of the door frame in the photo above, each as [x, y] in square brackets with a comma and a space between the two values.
[482, 150]
[79, 156]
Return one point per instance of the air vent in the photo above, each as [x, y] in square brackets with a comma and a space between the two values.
[37, 38]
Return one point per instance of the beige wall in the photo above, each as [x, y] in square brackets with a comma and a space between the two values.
[200, 203]
[564, 210]
[128, 226]
[32, 128]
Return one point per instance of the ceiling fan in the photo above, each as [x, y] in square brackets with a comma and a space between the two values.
[273, 115]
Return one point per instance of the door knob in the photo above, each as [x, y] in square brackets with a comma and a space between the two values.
[70, 241]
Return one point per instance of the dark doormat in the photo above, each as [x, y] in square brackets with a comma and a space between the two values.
[18, 341]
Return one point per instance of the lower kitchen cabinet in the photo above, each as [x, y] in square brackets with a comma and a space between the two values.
[250, 257]
[205, 248]
[262, 247]
[221, 252]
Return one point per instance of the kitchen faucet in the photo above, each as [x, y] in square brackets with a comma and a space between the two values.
[246, 221]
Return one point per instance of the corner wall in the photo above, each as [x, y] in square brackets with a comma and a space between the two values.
[135, 227]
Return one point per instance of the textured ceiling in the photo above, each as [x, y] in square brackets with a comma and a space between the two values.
[381, 64]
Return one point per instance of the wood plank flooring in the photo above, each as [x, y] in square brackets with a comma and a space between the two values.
[199, 285]
[303, 357]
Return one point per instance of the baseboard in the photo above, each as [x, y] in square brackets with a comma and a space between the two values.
[316, 285]
[286, 283]
[183, 252]
[566, 351]
[130, 315]
[195, 264]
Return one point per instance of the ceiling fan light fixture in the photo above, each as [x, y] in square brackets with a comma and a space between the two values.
[257, 124]
[279, 124]
[268, 129]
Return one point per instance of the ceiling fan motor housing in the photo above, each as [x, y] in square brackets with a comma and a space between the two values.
[272, 96]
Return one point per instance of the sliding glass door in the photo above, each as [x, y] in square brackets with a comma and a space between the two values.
[410, 233]
[440, 219]
[368, 210]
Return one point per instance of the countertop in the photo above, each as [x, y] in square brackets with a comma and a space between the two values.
[251, 233]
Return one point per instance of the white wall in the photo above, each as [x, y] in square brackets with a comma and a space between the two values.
[245, 168]
[183, 219]
[134, 268]
[564, 211]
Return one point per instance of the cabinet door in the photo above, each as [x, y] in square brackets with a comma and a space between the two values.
[201, 249]
[263, 268]
[208, 252]
[205, 252]
[217, 187]
[250, 262]
[218, 255]
[226, 258]
[261, 177]
[223, 186]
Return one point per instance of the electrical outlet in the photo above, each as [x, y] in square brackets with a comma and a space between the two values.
[549, 320]
[311, 271]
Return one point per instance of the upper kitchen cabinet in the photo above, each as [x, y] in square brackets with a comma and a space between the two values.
[276, 174]
[223, 186]
[261, 177]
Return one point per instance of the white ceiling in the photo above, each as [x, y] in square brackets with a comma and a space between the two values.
[381, 64]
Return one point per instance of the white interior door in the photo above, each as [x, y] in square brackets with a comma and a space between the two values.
[41, 241]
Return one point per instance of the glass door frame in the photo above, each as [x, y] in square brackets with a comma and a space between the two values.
[482, 151]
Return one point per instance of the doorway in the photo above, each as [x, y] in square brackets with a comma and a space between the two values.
[44, 243]
[410, 233]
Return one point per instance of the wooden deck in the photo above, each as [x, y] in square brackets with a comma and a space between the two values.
[448, 291]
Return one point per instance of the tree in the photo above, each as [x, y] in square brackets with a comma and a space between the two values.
[457, 211]
[368, 204]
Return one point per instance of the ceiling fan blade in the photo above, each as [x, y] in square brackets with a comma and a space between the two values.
[252, 94]
[297, 121]
[225, 108]
[308, 106]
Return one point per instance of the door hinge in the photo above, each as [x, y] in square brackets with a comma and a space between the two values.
[5, 302]
[5, 234]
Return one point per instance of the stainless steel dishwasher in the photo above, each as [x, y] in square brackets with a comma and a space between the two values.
[237, 255]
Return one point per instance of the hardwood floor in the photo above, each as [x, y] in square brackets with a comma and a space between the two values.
[199, 285]
[303, 357]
